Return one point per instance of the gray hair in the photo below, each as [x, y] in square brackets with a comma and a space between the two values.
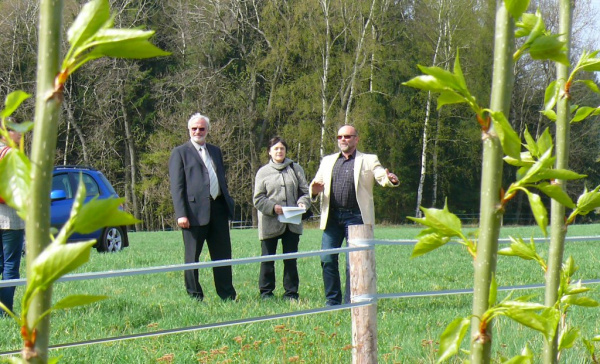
[197, 116]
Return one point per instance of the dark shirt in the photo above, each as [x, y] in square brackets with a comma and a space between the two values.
[343, 193]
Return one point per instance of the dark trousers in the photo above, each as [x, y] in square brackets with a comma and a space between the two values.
[216, 235]
[334, 234]
[11, 244]
[266, 279]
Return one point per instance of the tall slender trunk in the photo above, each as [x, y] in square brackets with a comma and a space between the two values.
[491, 183]
[425, 135]
[47, 110]
[325, 77]
[132, 162]
[78, 131]
[558, 227]
[355, 67]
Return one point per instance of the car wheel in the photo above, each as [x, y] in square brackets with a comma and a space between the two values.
[111, 240]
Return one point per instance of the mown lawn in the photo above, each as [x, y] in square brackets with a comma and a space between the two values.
[408, 328]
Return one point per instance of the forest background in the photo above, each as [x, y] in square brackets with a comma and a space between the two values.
[298, 69]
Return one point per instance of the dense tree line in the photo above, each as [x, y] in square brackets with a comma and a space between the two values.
[299, 69]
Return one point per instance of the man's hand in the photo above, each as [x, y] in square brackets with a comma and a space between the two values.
[392, 177]
[317, 187]
[183, 222]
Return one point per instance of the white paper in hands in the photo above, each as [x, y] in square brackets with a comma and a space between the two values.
[291, 215]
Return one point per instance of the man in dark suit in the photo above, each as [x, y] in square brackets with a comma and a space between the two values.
[203, 206]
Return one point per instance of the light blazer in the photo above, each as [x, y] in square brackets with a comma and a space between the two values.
[367, 169]
[190, 186]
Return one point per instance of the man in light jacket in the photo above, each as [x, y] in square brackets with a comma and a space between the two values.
[345, 182]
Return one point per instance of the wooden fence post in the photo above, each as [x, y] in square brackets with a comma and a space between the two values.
[363, 286]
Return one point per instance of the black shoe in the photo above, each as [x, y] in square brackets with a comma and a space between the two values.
[332, 303]
[197, 298]
[266, 296]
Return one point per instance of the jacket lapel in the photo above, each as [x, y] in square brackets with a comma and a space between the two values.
[357, 169]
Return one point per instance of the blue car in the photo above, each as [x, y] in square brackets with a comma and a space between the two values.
[65, 180]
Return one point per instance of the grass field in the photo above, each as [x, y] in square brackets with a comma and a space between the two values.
[408, 328]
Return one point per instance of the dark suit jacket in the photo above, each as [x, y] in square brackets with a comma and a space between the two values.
[190, 187]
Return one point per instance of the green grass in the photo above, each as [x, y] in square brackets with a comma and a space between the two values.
[408, 328]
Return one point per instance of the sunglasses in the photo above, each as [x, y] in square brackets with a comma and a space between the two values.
[197, 129]
[340, 137]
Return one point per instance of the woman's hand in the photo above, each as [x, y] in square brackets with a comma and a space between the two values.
[278, 209]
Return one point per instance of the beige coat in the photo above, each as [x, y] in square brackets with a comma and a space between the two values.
[367, 170]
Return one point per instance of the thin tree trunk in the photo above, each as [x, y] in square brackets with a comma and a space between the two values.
[132, 162]
[425, 136]
[47, 110]
[325, 77]
[434, 166]
[557, 223]
[78, 131]
[491, 183]
[355, 67]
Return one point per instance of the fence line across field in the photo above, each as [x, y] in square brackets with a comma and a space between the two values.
[364, 298]
[239, 261]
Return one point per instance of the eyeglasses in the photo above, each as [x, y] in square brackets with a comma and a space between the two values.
[197, 129]
[340, 137]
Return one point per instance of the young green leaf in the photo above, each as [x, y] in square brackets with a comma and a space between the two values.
[77, 300]
[526, 357]
[516, 8]
[591, 85]
[589, 346]
[452, 337]
[511, 143]
[443, 222]
[518, 248]
[427, 243]
[15, 173]
[556, 192]
[551, 95]
[124, 43]
[549, 47]
[12, 102]
[96, 214]
[579, 301]
[493, 291]
[544, 143]
[539, 211]
[550, 114]
[91, 19]
[57, 260]
[583, 112]
[567, 339]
